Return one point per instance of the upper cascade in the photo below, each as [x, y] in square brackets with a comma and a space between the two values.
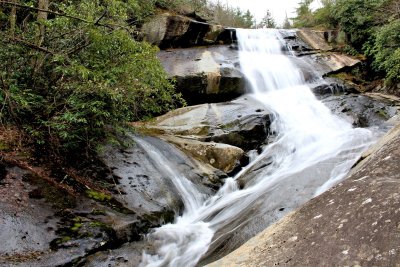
[264, 62]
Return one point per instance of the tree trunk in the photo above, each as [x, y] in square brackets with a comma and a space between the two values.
[41, 17]
[13, 19]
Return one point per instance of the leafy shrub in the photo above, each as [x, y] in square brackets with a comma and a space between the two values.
[386, 51]
[85, 81]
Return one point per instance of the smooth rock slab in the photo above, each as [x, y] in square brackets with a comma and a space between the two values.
[243, 123]
[221, 156]
[205, 74]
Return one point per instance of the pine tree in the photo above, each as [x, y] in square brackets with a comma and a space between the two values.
[267, 21]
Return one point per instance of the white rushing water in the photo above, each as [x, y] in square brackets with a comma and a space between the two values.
[308, 137]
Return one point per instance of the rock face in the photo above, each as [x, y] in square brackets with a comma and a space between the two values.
[330, 62]
[317, 58]
[212, 74]
[243, 123]
[355, 223]
[205, 74]
[318, 40]
[170, 31]
[146, 184]
[362, 110]
[41, 225]
[221, 156]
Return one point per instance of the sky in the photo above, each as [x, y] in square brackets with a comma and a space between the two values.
[278, 8]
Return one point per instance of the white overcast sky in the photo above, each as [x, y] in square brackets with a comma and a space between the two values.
[258, 8]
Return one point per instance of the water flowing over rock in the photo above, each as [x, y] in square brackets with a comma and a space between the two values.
[301, 160]
[147, 185]
[354, 223]
[213, 74]
[202, 180]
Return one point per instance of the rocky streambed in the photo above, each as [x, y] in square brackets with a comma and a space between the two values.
[214, 138]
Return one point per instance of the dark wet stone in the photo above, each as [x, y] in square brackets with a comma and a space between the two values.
[361, 110]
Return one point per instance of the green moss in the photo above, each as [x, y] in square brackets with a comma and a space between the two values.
[99, 196]
[97, 224]
[76, 227]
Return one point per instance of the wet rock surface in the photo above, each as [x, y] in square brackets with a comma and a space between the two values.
[221, 156]
[362, 110]
[168, 30]
[205, 74]
[144, 186]
[212, 74]
[243, 123]
[355, 223]
[43, 226]
[318, 40]
[129, 255]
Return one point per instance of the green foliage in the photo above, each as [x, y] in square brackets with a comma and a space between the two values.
[85, 81]
[305, 17]
[232, 17]
[386, 51]
[267, 21]
[369, 26]
[357, 19]
[324, 17]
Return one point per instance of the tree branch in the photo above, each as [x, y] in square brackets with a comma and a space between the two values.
[108, 25]
[33, 46]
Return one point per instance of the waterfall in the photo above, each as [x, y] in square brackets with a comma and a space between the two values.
[309, 138]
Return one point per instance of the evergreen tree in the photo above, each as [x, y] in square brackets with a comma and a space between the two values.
[267, 21]
[286, 23]
[305, 17]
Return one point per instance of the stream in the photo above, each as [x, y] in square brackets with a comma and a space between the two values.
[310, 145]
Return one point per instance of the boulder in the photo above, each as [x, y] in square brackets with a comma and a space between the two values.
[206, 74]
[362, 110]
[330, 62]
[221, 156]
[318, 40]
[353, 224]
[168, 30]
[242, 123]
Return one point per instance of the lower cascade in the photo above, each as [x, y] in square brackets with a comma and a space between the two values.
[310, 145]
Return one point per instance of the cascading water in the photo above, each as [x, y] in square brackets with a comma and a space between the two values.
[308, 138]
